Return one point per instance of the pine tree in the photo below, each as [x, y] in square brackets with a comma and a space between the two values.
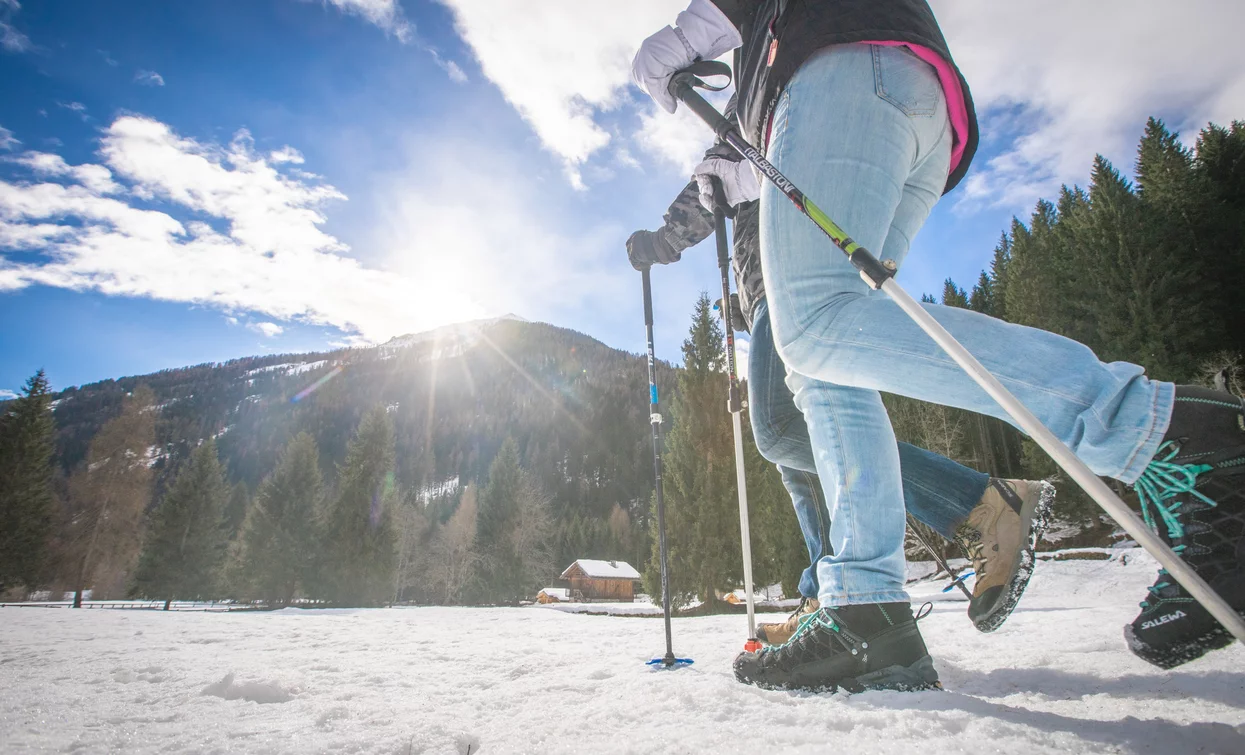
[953, 295]
[982, 298]
[279, 537]
[185, 548]
[778, 551]
[702, 522]
[499, 572]
[108, 498]
[27, 504]
[357, 537]
[1220, 184]
[236, 509]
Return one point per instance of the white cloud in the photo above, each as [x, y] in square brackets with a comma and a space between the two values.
[1078, 78]
[6, 394]
[561, 63]
[148, 78]
[387, 14]
[266, 329]
[452, 69]
[248, 237]
[7, 140]
[76, 108]
[679, 140]
[12, 40]
[96, 178]
[286, 154]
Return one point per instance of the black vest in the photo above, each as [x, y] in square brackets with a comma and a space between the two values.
[802, 27]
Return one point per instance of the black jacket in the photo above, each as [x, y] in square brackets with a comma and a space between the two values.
[803, 27]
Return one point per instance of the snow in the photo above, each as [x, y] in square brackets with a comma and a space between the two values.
[290, 368]
[1055, 679]
[429, 493]
[604, 569]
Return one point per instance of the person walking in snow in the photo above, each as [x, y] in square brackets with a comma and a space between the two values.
[995, 521]
[860, 103]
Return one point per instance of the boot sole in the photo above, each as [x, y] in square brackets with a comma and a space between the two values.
[1039, 514]
[915, 678]
[918, 677]
[1171, 656]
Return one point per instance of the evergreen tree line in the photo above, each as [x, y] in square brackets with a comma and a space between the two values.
[363, 542]
[1148, 271]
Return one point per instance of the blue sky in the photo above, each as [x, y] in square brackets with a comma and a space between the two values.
[189, 182]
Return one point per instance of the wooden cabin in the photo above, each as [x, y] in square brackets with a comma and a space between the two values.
[602, 580]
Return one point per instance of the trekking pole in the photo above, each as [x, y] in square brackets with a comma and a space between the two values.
[668, 660]
[956, 579]
[880, 276]
[735, 405]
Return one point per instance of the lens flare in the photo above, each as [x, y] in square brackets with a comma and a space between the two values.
[304, 393]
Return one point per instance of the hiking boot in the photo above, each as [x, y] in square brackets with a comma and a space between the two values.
[1193, 496]
[777, 634]
[870, 646]
[999, 537]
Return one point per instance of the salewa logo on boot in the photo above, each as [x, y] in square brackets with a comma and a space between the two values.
[1164, 619]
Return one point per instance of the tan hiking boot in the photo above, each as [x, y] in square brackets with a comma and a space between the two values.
[777, 634]
[999, 536]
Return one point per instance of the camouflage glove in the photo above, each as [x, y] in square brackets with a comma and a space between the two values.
[648, 248]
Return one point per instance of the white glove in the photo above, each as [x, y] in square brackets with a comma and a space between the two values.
[702, 33]
[739, 181]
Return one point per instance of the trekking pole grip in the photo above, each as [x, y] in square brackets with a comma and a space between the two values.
[683, 86]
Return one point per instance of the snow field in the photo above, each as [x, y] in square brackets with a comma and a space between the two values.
[1055, 679]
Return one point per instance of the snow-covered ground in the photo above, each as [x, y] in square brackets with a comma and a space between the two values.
[1055, 679]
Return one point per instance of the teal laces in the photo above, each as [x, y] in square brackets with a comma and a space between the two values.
[1159, 486]
[806, 624]
[1162, 482]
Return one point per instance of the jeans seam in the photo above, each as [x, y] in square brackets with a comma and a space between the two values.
[823, 531]
[842, 495]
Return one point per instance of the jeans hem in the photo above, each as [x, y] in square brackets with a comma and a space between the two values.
[1160, 419]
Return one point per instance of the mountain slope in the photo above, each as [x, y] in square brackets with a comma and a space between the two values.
[577, 408]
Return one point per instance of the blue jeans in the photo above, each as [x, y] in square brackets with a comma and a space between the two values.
[864, 132]
[937, 491]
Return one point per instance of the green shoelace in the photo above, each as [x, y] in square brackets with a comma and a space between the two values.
[1160, 483]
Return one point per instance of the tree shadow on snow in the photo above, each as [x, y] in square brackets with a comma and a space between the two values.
[1134, 735]
[1223, 687]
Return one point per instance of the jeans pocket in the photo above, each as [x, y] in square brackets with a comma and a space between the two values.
[905, 81]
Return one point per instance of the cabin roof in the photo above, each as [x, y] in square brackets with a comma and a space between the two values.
[602, 569]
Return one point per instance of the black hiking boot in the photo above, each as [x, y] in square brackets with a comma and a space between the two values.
[855, 648]
[999, 536]
[1193, 495]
